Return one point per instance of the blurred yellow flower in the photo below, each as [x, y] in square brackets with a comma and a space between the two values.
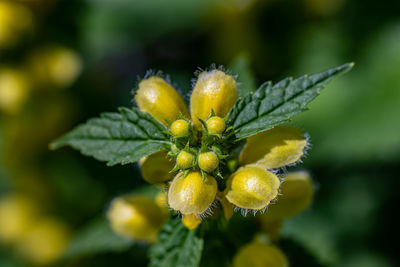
[136, 217]
[17, 214]
[257, 254]
[296, 194]
[54, 66]
[14, 89]
[156, 168]
[15, 20]
[45, 241]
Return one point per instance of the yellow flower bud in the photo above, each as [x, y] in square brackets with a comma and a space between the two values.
[295, 195]
[160, 99]
[277, 147]
[190, 194]
[156, 168]
[136, 217]
[14, 89]
[215, 125]
[214, 90]
[257, 254]
[191, 221]
[180, 128]
[15, 20]
[17, 214]
[252, 187]
[45, 242]
[185, 160]
[208, 161]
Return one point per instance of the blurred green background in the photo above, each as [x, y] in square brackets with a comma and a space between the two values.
[62, 62]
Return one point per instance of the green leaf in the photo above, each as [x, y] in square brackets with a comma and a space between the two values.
[118, 138]
[97, 237]
[274, 104]
[176, 246]
[246, 81]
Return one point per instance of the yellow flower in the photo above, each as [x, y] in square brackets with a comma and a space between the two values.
[156, 168]
[275, 148]
[136, 217]
[252, 187]
[257, 254]
[208, 161]
[17, 214]
[214, 90]
[190, 194]
[14, 89]
[295, 195]
[54, 66]
[15, 20]
[157, 97]
[45, 242]
[191, 221]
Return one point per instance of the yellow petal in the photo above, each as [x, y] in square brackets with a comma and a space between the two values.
[277, 147]
[157, 97]
[156, 168]
[214, 90]
[295, 196]
[190, 194]
[252, 187]
[257, 254]
[191, 221]
[136, 217]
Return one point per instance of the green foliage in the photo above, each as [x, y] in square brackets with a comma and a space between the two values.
[176, 246]
[96, 238]
[274, 104]
[118, 138]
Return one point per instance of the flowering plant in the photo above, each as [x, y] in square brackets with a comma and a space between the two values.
[225, 154]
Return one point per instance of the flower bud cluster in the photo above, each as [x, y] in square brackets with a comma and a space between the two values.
[203, 160]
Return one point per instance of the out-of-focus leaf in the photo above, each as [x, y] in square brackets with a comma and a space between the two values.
[95, 238]
[176, 246]
[274, 104]
[315, 235]
[118, 138]
[356, 120]
[246, 81]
